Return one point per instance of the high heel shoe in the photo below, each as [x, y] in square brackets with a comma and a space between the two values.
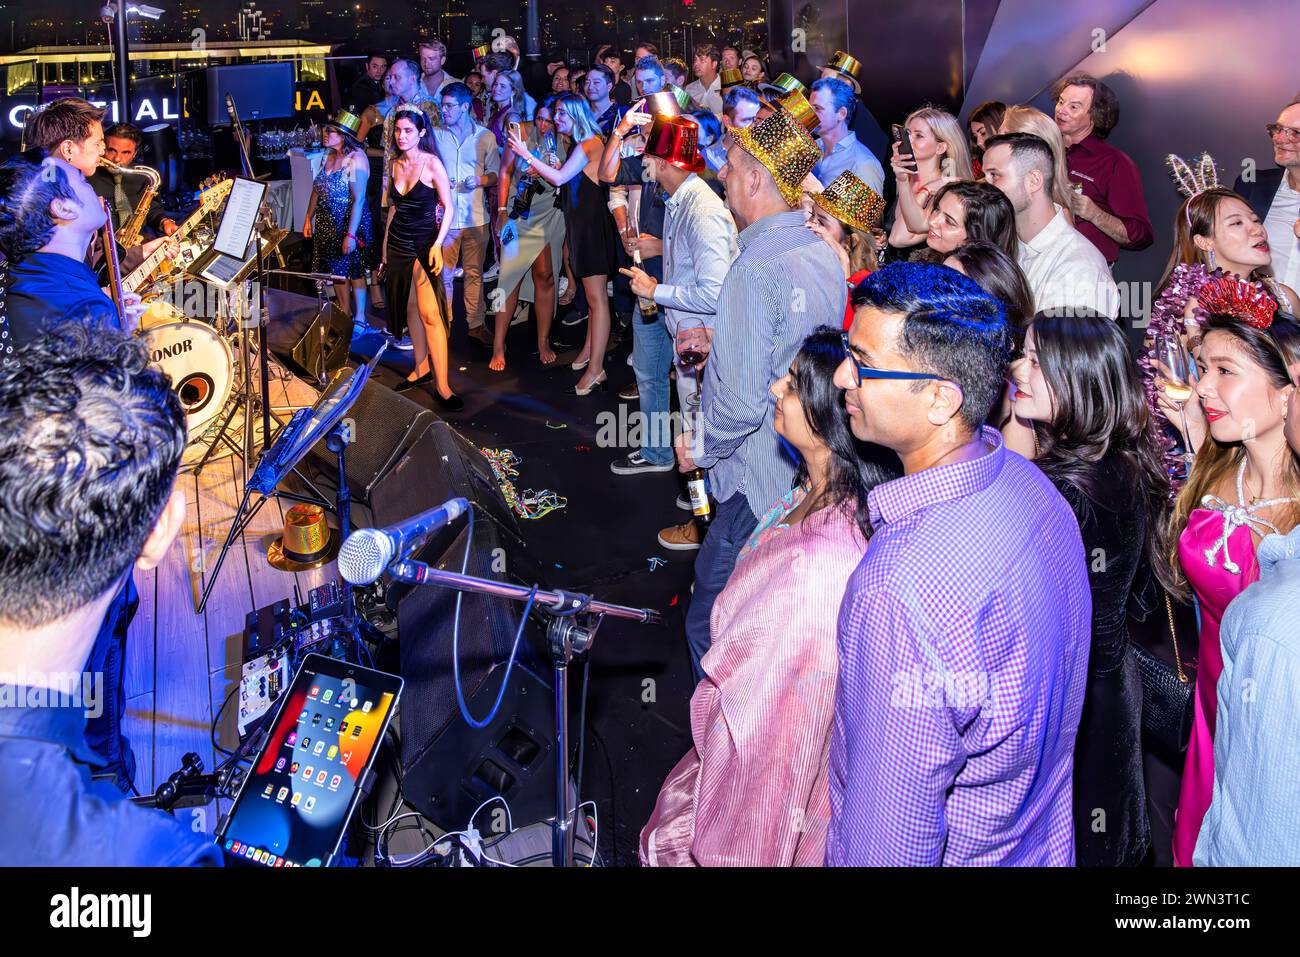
[408, 384]
[598, 383]
[577, 365]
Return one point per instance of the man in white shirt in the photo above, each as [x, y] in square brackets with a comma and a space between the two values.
[1064, 270]
[707, 88]
[433, 54]
[1274, 195]
[469, 152]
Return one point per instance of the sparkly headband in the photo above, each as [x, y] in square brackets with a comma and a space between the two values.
[1193, 182]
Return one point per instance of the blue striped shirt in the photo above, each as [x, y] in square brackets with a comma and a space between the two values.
[784, 284]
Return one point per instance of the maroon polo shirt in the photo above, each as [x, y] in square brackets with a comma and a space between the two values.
[1110, 179]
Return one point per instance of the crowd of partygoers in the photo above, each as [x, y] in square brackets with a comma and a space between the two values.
[945, 487]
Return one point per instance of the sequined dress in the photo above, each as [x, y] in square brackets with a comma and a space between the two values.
[330, 225]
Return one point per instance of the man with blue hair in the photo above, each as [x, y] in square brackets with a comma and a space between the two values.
[833, 101]
[964, 633]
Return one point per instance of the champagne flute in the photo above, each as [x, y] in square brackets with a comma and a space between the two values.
[1179, 381]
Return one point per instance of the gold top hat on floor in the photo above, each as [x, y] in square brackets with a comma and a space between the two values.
[797, 105]
[782, 85]
[848, 68]
[784, 148]
[731, 78]
[663, 103]
[307, 541]
[852, 202]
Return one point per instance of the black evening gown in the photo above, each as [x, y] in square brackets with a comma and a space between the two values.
[410, 237]
[1110, 813]
[593, 241]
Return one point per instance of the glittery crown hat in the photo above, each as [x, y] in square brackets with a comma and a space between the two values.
[852, 202]
[784, 148]
[675, 140]
[797, 105]
[782, 85]
[848, 67]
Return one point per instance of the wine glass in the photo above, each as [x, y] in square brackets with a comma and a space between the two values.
[1178, 375]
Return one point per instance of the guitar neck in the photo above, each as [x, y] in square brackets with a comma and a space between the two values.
[142, 272]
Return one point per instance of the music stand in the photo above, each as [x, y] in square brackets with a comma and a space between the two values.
[278, 459]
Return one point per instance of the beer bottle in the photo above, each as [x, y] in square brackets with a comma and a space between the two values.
[697, 488]
[649, 308]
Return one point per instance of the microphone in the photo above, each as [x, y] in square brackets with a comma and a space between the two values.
[367, 553]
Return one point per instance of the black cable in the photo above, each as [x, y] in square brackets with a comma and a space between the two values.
[217, 721]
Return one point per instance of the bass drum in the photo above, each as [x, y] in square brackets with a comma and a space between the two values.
[201, 367]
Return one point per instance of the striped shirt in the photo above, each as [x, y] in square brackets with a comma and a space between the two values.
[784, 284]
[699, 247]
[963, 647]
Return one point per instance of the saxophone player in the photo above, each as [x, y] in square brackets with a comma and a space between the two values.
[124, 192]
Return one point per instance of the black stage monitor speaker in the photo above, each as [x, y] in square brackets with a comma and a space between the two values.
[262, 91]
[313, 339]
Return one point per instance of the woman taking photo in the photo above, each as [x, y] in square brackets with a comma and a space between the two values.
[939, 155]
[592, 240]
[338, 216]
[967, 211]
[1243, 484]
[753, 790]
[418, 192]
[1080, 394]
[534, 240]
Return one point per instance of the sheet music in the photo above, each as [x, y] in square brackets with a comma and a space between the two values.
[239, 218]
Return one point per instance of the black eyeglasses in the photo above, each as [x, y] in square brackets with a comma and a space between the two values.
[867, 372]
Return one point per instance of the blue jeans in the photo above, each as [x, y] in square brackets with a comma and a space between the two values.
[652, 357]
[731, 528]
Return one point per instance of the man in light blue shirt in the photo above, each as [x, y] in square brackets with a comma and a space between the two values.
[834, 100]
[469, 152]
[1254, 815]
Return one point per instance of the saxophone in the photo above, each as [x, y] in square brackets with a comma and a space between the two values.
[128, 233]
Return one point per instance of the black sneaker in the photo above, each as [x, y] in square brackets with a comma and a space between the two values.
[631, 393]
[574, 319]
[635, 464]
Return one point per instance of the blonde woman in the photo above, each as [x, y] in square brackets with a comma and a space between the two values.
[1026, 119]
[940, 154]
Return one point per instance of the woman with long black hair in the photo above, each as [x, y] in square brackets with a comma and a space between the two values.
[753, 790]
[418, 192]
[1080, 392]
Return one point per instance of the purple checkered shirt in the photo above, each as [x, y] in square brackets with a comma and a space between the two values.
[963, 642]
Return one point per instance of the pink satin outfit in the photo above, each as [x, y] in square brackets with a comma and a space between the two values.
[753, 790]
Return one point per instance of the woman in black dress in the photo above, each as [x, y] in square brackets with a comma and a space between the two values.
[592, 239]
[1080, 393]
[338, 216]
[419, 192]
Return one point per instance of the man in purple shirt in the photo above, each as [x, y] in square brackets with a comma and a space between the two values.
[964, 633]
[1110, 209]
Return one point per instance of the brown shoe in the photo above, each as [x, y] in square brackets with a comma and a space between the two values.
[482, 335]
[630, 394]
[681, 538]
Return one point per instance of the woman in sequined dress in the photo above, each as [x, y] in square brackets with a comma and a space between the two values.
[338, 217]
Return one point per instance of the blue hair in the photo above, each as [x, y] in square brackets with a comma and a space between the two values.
[951, 328]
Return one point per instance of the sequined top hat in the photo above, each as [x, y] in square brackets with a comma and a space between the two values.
[675, 140]
[782, 85]
[784, 148]
[347, 123]
[307, 542]
[852, 202]
[731, 78]
[663, 103]
[683, 98]
[479, 52]
[797, 105]
[848, 67]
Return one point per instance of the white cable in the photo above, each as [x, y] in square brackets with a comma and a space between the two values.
[595, 835]
[510, 821]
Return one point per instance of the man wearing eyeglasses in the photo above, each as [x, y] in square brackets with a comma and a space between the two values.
[964, 633]
[1274, 195]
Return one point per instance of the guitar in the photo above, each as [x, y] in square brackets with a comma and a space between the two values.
[210, 200]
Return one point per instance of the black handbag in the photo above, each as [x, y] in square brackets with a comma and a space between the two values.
[1166, 693]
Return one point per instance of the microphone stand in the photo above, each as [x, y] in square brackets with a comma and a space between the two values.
[570, 631]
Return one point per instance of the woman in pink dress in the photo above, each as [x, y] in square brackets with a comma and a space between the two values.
[753, 790]
[1245, 484]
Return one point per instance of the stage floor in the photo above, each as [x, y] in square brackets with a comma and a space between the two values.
[181, 666]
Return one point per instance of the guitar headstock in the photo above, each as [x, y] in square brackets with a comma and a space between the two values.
[213, 192]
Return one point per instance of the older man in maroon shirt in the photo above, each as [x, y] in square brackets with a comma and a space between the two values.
[1110, 210]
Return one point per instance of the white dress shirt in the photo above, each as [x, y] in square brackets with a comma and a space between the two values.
[1282, 240]
[699, 248]
[710, 99]
[475, 155]
[1064, 270]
